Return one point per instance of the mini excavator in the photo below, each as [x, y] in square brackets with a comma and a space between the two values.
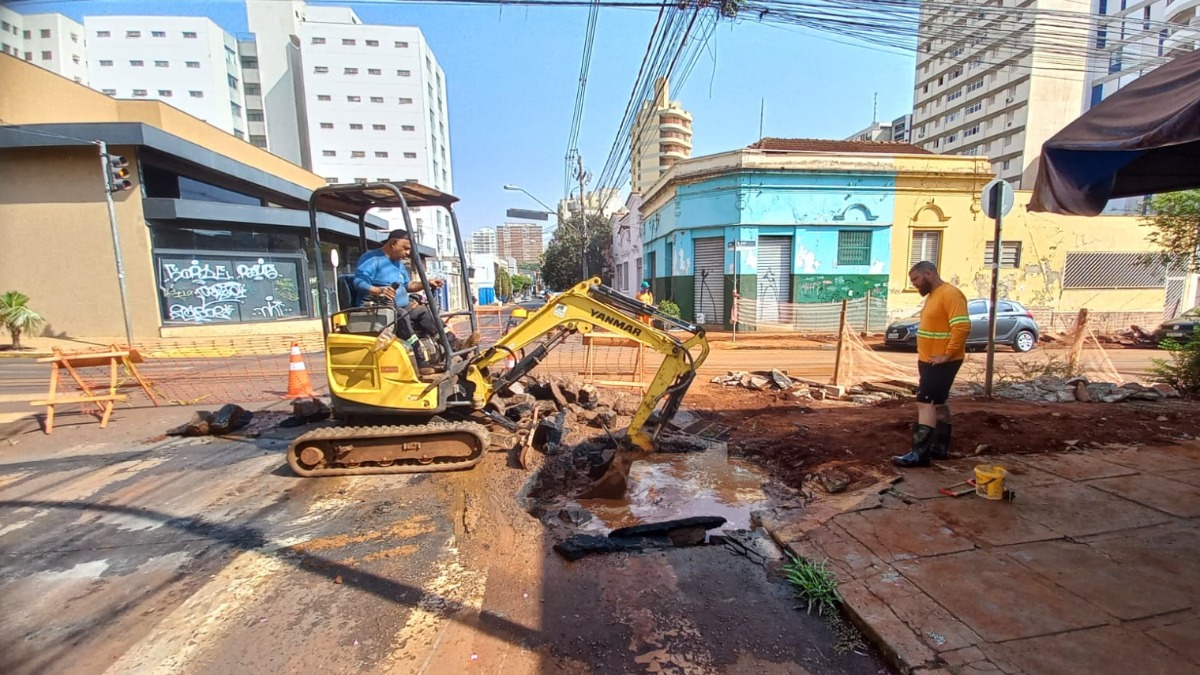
[396, 420]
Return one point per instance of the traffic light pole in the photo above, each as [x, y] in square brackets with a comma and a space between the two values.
[116, 239]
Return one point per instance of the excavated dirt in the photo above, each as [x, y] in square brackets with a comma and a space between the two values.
[799, 439]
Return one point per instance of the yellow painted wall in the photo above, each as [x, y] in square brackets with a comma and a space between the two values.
[947, 200]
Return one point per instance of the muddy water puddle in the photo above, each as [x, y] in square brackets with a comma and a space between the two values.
[665, 486]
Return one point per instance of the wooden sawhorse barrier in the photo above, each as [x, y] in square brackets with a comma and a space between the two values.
[593, 339]
[70, 362]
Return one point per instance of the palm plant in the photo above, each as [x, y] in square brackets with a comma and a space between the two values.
[17, 317]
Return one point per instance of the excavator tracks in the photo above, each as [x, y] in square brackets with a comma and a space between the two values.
[356, 451]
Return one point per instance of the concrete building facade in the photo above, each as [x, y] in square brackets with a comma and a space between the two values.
[1132, 38]
[661, 136]
[483, 241]
[601, 203]
[791, 222]
[627, 246]
[214, 233]
[997, 83]
[188, 62]
[51, 41]
[519, 241]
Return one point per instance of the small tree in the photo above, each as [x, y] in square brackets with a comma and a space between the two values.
[1174, 219]
[521, 283]
[562, 266]
[503, 284]
[17, 317]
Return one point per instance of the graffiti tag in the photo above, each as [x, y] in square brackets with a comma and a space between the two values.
[274, 308]
[260, 271]
[227, 291]
[201, 313]
[197, 273]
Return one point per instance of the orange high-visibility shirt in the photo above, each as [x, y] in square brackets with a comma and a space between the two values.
[645, 297]
[945, 325]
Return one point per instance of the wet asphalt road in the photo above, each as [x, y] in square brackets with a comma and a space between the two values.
[120, 553]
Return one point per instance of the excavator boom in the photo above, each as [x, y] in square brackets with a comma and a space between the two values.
[585, 307]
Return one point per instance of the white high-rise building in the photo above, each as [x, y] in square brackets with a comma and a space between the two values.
[1132, 38]
[188, 62]
[51, 41]
[483, 241]
[998, 82]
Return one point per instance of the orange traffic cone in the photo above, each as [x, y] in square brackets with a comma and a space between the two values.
[298, 383]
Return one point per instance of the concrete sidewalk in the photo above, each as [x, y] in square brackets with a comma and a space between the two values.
[1094, 568]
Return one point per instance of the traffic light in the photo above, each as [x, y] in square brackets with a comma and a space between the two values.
[118, 174]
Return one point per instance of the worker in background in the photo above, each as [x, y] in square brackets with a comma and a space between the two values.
[941, 348]
[644, 296]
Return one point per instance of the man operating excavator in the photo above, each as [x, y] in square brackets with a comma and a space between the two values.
[941, 348]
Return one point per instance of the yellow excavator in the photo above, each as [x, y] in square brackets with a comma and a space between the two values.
[396, 420]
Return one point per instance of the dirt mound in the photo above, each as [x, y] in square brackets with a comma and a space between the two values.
[798, 440]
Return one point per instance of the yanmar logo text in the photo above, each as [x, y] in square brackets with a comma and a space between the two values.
[630, 328]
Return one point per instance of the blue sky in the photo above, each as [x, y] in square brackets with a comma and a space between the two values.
[512, 75]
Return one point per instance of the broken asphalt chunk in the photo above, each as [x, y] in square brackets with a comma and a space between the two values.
[578, 546]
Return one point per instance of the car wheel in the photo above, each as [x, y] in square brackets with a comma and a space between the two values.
[1024, 341]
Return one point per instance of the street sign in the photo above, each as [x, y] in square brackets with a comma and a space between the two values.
[526, 214]
[333, 258]
[989, 201]
[742, 245]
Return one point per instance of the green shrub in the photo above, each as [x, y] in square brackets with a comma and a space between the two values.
[1182, 369]
[669, 308]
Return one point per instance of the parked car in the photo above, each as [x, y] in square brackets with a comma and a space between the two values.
[1015, 327]
[1181, 328]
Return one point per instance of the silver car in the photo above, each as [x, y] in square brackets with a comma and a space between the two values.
[1015, 327]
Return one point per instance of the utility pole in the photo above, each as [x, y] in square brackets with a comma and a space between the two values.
[106, 168]
[582, 219]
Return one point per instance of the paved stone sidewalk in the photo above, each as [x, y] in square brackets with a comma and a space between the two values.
[1094, 568]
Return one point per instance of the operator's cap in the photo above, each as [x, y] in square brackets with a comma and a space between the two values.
[645, 284]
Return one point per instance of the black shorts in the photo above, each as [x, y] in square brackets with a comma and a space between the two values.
[936, 380]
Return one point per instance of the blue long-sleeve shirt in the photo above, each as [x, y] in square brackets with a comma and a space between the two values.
[376, 269]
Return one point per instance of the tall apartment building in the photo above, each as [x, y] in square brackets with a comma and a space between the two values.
[895, 131]
[602, 203]
[661, 136]
[256, 124]
[51, 41]
[483, 241]
[188, 62]
[1131, 38]
[520, 241]
[997, 81]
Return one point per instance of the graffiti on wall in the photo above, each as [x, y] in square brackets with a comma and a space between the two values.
[837, 287]
[203, 290]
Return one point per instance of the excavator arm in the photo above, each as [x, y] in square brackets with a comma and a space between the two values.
[583, 308]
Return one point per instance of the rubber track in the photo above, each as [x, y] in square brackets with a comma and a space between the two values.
[399, 432]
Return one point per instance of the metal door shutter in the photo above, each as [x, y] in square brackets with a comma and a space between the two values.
[710, 290]
[774, 278]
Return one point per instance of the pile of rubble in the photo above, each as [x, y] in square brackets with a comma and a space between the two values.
[866, 393]
[1053, 389]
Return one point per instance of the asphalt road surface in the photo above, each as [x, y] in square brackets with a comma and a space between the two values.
[123, 554]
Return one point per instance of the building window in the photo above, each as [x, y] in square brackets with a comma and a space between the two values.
[1111, 270]
[410, 155]
[235, 109]
[105, 63]
[1005, 165]
[376, 99]
[379, 127]
[404, 73]
[320, 70]
[189, 35]
[318, 40]
[158, 33]
[165, 93]
[45, 32]
[139, 92]
[971, 131]
[977, 84]
[110, 92]
[372, 43]
[1097, 94]
[354, 99]
[355, 127]
[99, 34]
[350, 71]
[233, 81]
[137, 63]
[951, 138]
[331, 180]
[1010, 254]
[133, 33]
[74, 37]
[239, 134]
[926, 246]
[196, 94]
[957, 93]
[405, 101]
[358, 153]
[854, 247]
[975, 107]
[401, 45]
[258, 140]
[408, 127]
[348, 42]
[193, 64]
[374, 71]
[28, 56]
[381, 154]
[162, 64]
[362, 180]
[249, 63]
[326, 125]
[253, 89]
[329, 153]
[254, 116]
[323, 97]
[956, 73]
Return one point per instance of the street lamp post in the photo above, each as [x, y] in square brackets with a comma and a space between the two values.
[515, 188]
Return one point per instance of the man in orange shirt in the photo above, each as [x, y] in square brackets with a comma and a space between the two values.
[941, 348]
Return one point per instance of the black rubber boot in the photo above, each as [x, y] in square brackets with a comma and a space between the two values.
[919, 455]
[939, 447]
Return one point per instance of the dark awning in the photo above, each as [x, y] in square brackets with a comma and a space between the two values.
[1144, 139]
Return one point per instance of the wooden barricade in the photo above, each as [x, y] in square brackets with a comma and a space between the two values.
[88, 398]
[595, 339]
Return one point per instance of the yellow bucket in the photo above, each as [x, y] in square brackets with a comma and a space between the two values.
[989, 481]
